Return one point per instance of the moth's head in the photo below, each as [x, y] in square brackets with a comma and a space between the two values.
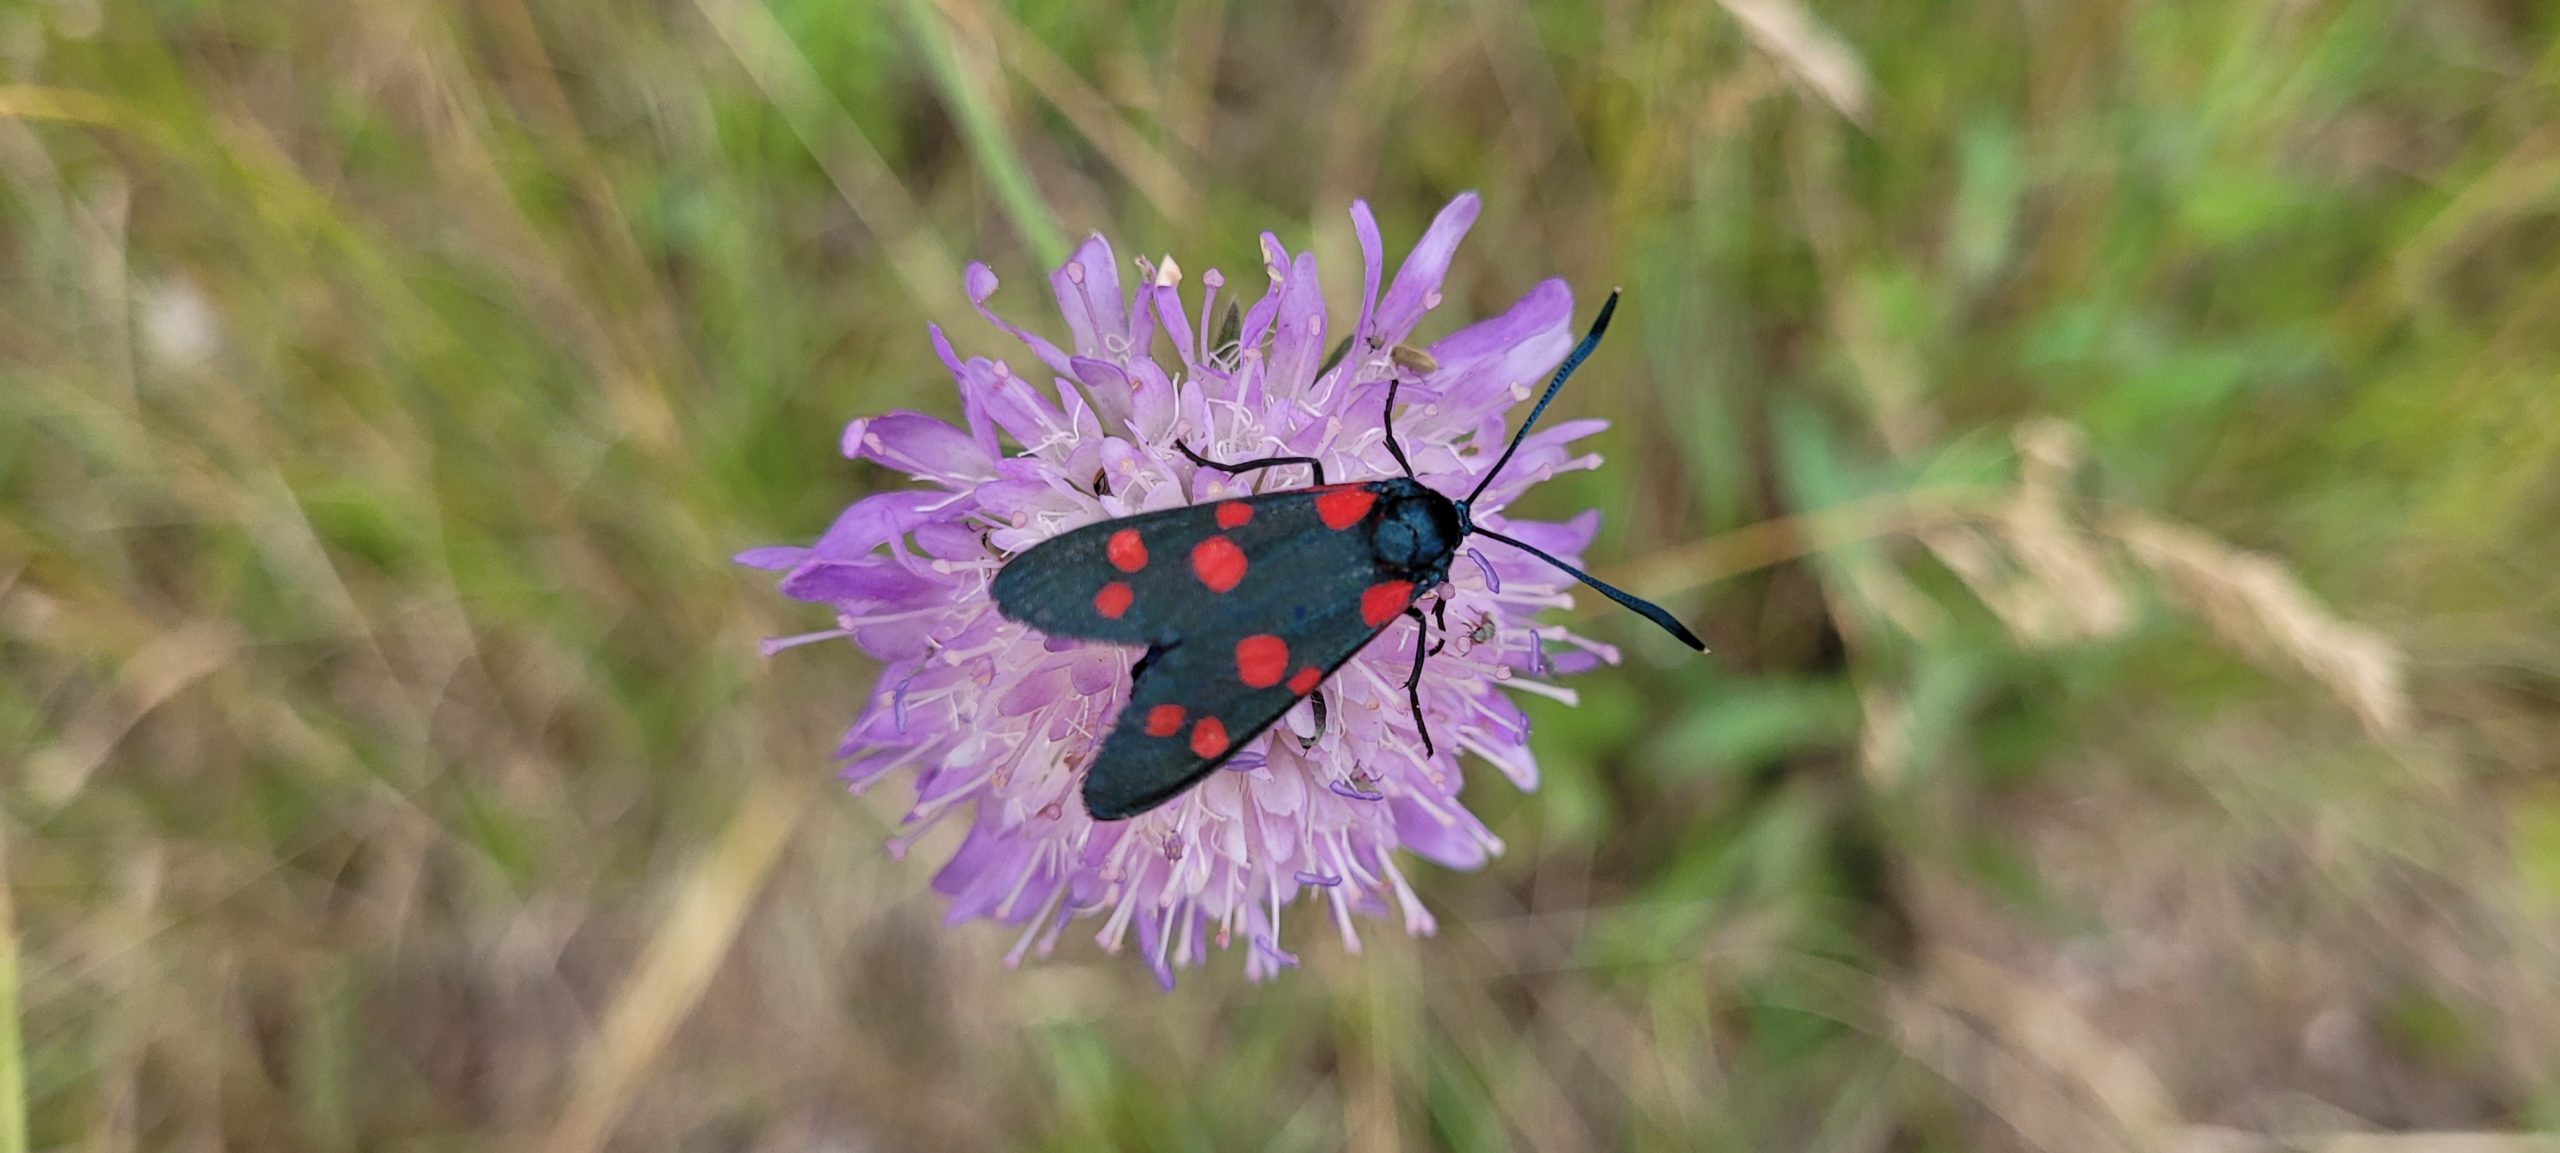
[1418, 529]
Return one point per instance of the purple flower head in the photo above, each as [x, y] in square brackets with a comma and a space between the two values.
[998, 723]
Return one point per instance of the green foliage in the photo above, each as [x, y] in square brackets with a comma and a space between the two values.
[2110, 449]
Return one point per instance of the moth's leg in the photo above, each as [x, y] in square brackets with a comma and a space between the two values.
[1145, 659]
[1394, 449]
[1242, 467]
[1413, 683]
[1440, 618]
[1315, 700]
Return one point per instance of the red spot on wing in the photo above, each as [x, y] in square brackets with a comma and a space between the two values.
[1208, 737]
[1382, 601]
[1234, 514]
[1164, 720]
[1261, 660]
[1306, 680]
[1218, 563]
[1113, 600]
[1343, 507]
[1127, 552]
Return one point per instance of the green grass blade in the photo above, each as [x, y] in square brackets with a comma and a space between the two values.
[987, 138]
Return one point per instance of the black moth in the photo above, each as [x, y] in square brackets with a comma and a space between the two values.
[1246, 605]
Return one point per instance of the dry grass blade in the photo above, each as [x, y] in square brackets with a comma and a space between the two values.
[13, 1081]
[1785, 30]
[2215, 1139]
[2043, 1029]
[1781, 539]
[160, 670]
[2254, 604]
[671, 975]
[2022, 1095]
[2031, 564]
[2056, 552]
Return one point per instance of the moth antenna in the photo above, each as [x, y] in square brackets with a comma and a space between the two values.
[1643, 608]
[1590, 340]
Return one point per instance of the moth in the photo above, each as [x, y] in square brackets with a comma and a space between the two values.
[1246, 605]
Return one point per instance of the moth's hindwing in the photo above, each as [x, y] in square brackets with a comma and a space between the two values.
[1200, 699]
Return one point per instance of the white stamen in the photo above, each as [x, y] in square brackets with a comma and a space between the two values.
[772, 645]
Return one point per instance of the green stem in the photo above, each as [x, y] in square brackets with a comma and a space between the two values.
[986, 137]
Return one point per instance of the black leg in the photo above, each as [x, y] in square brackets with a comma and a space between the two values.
[1413, 684]
[1394, 449]
[1252, 465]
[1440, 618]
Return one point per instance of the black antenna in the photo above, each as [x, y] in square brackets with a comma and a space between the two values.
[1643, 608]
[1590, 340]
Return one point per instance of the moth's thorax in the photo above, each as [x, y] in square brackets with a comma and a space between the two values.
[1416, 531]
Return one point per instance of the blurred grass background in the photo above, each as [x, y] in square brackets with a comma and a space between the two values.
[2112, 447]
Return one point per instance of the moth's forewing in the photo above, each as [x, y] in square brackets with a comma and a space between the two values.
[1150, 568]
